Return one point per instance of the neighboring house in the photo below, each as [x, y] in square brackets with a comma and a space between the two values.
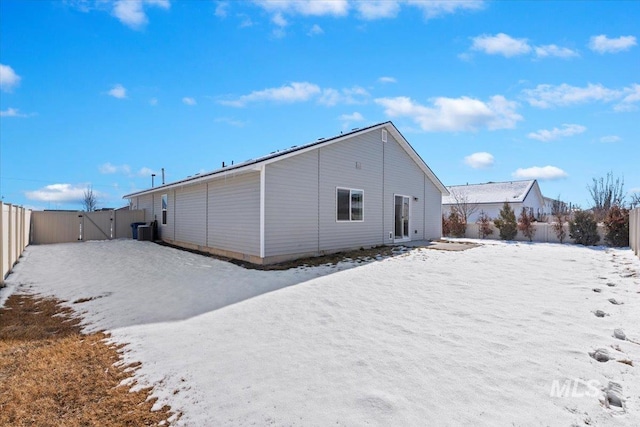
[362, 189]
[490, 198]
[550, 203]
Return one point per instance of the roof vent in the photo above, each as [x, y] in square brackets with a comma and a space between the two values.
[384, 135]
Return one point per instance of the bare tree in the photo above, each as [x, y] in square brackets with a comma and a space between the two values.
[635, 200]
[484, 225]
[606, 192]
[525, 223]
[558, 207]
[89, 200]
[463, 206]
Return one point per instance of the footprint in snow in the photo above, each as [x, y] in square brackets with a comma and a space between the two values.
[613, 396]
[619, 334]
[601, 355]
[615, 301]
[611, 284]
[597, 290]
[600, 313]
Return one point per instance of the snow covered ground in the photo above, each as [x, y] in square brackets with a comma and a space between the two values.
[495, 335]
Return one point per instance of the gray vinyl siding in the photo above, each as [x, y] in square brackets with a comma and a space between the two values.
[234, 214]
[291, 205]
[146, 203]
[402, 176]
[338, 169]
[300, 201]
[190, 214]
[432, 210]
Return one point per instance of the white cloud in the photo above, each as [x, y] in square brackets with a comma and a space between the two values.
[353, 117]
[109, 169]
[631, 97]
[546, 96]
[366, 9]
[377, 9]
[306, 7]
[455, 114]
[189, 101]
[354, 95]
[316, 30]
[501, 44]
[294, 92]
[435, 8]
[301, 92]
[387, 79]
[118, 91]
[554, 50]
[8, 78]
[131, 12]
[145, 171]
[556, 133]
[543, 173]
[221, 9]
[603, 44]
[279, 20]
[60, 193]
[12, 112]
[610, 138]
[479, 160]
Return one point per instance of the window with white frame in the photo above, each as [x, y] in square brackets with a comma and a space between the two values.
[350, 204]
[164, 209]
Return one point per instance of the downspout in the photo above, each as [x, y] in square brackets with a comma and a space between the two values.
[262, 207]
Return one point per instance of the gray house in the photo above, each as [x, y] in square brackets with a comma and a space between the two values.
[364, 188]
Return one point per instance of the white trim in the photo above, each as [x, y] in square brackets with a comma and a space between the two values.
[262, 207]
[408, 238]
[351, 190]
[384, 135]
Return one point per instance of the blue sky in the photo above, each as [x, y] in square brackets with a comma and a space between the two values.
[104, 93]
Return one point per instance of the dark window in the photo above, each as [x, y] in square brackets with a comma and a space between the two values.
[164, 209]
[350, 205]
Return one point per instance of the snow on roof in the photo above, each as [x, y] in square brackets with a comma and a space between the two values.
[490, 192]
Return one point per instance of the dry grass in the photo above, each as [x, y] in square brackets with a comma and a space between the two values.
[53, 375]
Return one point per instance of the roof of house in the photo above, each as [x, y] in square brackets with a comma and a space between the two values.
[255, 164]
[490, 192]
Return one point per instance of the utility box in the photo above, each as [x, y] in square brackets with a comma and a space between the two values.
[144, 233]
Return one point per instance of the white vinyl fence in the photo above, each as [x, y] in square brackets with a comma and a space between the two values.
[71, 226]
[544, 233]
[634, 230]
[15, 227]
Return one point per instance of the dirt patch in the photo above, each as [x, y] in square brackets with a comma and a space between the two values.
[358, 255]
[51, 374]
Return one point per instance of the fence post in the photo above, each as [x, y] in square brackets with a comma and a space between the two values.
[1, 243]
[9, 232]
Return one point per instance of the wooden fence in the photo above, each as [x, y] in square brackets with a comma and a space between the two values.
[15, 222]
[634, 230]
[66, 227]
